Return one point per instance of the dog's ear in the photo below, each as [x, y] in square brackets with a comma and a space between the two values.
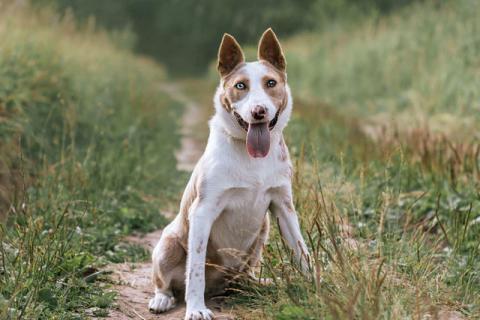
[229, 55]
[269, 49]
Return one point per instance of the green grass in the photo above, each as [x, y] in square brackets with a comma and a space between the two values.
[384, 141]
[422, 59]
[87, 158]
[390, 239]
[386, 152]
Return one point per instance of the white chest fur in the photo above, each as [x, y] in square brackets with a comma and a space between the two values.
[245, 187]
[240, 222]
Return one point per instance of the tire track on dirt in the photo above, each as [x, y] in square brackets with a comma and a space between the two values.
[132, 281]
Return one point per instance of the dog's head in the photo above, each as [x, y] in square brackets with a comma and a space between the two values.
[254, 97]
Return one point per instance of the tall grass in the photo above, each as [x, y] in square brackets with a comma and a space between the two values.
[421, 61]
[87, 157]
[385, 144]
[389, 238]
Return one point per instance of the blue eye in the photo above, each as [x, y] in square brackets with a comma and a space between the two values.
[271, 83]
[240, 86]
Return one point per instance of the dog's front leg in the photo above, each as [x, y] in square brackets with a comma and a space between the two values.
[283, 210]
[201, 219]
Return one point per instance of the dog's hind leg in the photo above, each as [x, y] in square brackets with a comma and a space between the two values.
[253, 263]
[168, 267]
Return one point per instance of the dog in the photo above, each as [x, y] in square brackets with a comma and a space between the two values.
[244, 172]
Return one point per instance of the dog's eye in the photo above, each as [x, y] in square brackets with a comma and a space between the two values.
[240, 86]
[271, 83]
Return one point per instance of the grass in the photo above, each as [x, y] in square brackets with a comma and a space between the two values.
[422, 59]
[383, 139]
[390, 239]
[386, 151]
[86, 158]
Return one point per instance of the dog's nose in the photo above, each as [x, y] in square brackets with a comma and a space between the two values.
[259, 112]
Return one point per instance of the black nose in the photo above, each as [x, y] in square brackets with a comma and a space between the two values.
[259, 112]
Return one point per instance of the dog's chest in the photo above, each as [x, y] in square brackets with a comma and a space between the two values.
[246, 190]
[246, 205]
[238, 226]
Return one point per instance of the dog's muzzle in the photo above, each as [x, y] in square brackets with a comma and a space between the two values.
[244, 124]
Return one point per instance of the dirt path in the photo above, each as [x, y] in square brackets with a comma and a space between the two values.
[132, 281]
[191, 145]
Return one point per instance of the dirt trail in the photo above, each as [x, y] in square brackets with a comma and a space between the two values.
[191, 145]
[132, 281]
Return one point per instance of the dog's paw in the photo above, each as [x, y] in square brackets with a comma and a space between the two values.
[161, 303]
[199, 314]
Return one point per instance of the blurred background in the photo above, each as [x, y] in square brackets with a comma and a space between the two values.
[103, 114]
[184, 35]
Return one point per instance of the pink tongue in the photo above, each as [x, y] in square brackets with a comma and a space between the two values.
[258, 140]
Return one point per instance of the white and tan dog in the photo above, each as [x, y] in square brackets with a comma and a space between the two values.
[244, 172]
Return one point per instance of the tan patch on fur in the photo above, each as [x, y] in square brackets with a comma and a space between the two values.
[194, 191]
[172, 255]
[225, 102]
[231, 94]
[213, 256]
[174, 252]
[255, 252]
[277, 94]
[289, 206]
[215, 275]
[158, 281]
[283, 151]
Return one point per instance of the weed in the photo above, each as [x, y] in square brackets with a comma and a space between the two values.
[88, 142]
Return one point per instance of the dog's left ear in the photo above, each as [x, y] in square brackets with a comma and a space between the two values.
[229, 55]
[269, 49]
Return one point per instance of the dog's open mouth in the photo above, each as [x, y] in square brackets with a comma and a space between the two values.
[258, 135]
[244, 124]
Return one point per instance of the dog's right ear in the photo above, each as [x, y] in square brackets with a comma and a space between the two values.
[229, 55]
